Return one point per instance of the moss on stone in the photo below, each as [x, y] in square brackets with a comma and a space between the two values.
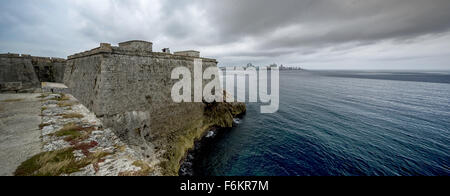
[42, 96]
[56, 163]
[222, 114]
[52, 163]
[69, 130]
[66, 104]
[72, 115]
[73, 132]
[183, 140]
[42, 125]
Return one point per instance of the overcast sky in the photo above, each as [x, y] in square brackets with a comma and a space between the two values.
[315, 34]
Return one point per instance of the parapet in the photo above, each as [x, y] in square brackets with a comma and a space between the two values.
[137, 45]
[104, 48]
[139, 48]
[10, 55]
[191, 53]
[35, 58]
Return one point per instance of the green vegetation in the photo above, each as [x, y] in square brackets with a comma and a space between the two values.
[216, 115]
[66, 104]
[71, 115]
[56, 163]
[181, 141]
[49, 164]
[73, 132]
[42, 125]
[42, 96]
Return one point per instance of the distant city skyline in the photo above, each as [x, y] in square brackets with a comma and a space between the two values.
[315, 34]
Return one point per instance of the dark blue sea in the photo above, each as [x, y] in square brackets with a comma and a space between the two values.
[341, 123]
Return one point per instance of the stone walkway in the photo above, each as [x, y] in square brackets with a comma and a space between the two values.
[53, 134]
[105, 153]
[19, 130]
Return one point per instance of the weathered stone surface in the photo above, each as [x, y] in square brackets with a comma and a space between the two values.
[49, 69]
[120, 159]
[137, 46]
[191, 53]
[11, 86]
[16, 69]
[19, 130]
[28, 70]
[49, 87]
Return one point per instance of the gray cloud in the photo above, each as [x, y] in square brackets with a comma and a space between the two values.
[313, 33]
[322, 22]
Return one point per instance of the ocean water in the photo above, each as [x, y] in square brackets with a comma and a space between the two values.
[340, 123]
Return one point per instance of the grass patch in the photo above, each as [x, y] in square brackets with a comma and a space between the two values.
[74, 133]
[68, 132]
[42, 125]
[42, 96]
[215, 115]
[52, 163]
[121, 148]
[55, 163]
[71, 115]
[11, 100]
[145, 169]
[180, 142]
[66, 104]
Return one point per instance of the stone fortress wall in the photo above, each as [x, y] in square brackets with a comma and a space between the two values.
[49, 69]
[129, 88]
[24, 73]
[133, 83]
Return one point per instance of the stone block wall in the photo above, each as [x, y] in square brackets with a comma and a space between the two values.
[136, 46]
[17, 74]
[24, 73]
[129, 88]
[49, 69]
[191, 53]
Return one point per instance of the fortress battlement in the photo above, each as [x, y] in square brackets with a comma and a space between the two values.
[35, 58]
[138, 48]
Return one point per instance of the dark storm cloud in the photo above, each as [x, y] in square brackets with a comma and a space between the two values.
[236, 31]
[321, 22]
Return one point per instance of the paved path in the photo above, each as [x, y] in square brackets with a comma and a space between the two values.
[19, 130]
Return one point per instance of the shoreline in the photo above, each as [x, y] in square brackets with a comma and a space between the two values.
[189, 162]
